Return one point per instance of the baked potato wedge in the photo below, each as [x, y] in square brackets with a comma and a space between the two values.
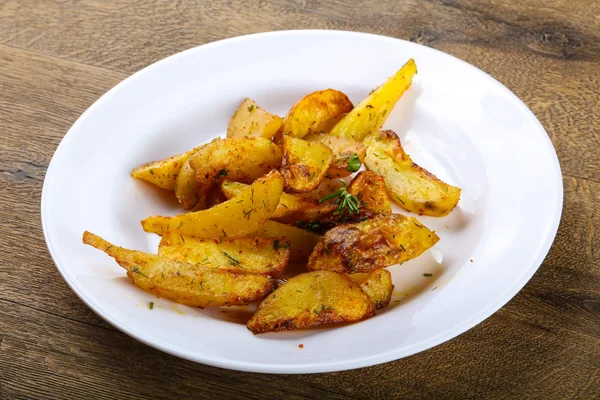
[240, 160]
[245, 255]
[370, 114]
[371, 244]
[185, 283]
[291, 209]
[369, 189]
[370, 198]
[240, 216]
[327, 187]
[253, 121]
[311, 299]
[377, 285]
[163, 173]
[348, 154]
[303, 242]
[316, 112]
[410, 186]
[304, 164]
[187, 189]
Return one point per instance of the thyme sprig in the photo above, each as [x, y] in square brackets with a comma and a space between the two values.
[344, 200]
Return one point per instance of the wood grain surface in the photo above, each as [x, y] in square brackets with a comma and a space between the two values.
[58, 57]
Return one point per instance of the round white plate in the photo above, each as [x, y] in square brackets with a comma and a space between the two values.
[455, 120]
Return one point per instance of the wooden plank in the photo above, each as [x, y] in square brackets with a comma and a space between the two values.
[40, 99]
[44, 357]
[548, 53]
[127, 36]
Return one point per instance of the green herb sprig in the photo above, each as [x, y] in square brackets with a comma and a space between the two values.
[312, 226]
[344, 200]
[353, 163]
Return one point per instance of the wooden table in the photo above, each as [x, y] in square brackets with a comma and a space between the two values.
[56, 58]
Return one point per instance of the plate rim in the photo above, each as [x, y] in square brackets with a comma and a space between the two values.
[320, 367]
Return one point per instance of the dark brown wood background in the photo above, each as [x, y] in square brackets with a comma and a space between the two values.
[58, 57]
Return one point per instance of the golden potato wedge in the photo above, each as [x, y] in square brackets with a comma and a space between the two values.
[368, 245]
[185, 283]
[304, 164]
[163, 173]
[303, 241]
[240, 160]
[187, 189]
[377, 285]
[311, 299]
[245, 255]
[316, 112]
[370, 196]
[369, 189]
[251, 120]
[327, 187]
[348, 154]
[370, 114]
[232, 219]
[410, 186]
[291, 209]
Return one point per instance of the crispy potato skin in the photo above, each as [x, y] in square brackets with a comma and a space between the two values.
[232, 219]
[343, 149]
[316, 112]
[377, 285]
[291, 208]
[245, 255]
[370, 114]
[311, 299]
[376, 243]
[303, 242]
[182, 282]
[163, 173]
[240, 160]
[410, 186]
[250, 120]
[304, 164]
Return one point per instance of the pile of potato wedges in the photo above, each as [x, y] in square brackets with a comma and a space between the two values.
[273, 192]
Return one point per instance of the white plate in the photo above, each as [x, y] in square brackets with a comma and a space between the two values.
[456, 121]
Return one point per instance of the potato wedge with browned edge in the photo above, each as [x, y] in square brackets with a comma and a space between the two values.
[304, 164]
[368, 245]
[232, 219]
[377, 285]
[291, 209]
[370, 114]
[163, 173]
[311, 299]
[369, 189]
[371, 198]
[303, 242]
[348, 154]
[245, 255]
[240, 160]
[410, 186]
[253, 121]
[185, 283]
[315, 112]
